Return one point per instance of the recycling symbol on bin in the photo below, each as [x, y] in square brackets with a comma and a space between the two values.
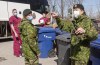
[47, 36]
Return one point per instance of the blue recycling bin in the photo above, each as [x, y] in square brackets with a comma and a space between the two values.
[46, 34]
[45, 40]
[95, 51]
[59, 32]
[45, 47]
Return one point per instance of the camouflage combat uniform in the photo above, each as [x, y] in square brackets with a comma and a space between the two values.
[81, 48]
[80, 43]
[29, 44]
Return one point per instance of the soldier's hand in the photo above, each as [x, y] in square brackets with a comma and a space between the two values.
[80, 30]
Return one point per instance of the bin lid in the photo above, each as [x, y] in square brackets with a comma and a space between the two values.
[45, 30]
[95, 43]
[64, 37]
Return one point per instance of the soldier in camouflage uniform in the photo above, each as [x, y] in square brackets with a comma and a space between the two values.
[83, 32]
[28, 35]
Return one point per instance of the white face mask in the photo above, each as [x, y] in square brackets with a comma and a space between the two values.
[15, 14]
[76, 14]
[42, 21]
[29, 18]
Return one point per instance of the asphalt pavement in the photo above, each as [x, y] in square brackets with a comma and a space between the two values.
[7, 57]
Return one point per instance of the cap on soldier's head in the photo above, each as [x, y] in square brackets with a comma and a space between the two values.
[80, 6]
[26, 12]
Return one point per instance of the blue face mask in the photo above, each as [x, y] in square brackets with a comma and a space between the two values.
[29, 18]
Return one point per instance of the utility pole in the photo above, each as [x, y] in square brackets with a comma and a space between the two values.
[73, 3]
[62, 8]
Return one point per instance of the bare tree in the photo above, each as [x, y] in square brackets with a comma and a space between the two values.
[62, 6]
[89, 12]
[72, 2]
[98, 10]
[79, 1]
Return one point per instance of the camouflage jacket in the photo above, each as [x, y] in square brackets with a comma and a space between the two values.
[28, 34]
[80, 43]
[90, 31]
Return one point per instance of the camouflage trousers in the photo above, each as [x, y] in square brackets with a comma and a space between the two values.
[79, 55]
[73, 62]
[29, 53]
[31, 62]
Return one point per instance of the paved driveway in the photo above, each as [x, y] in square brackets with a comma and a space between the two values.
[7, 58]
